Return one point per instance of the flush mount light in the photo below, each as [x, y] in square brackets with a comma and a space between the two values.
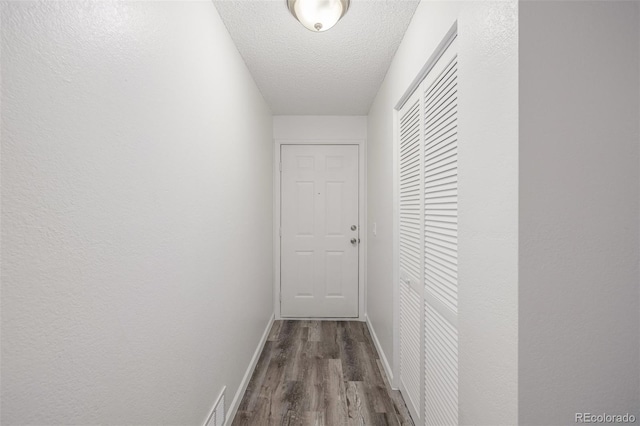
[318, 15]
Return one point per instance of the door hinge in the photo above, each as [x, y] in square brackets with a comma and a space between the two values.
[280, 166]
[280, 232]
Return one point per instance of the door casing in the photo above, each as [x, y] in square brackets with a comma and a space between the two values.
[362, 217]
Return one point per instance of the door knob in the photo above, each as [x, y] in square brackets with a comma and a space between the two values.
[354, 241]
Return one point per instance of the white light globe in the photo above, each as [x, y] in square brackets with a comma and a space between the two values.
[318, 15]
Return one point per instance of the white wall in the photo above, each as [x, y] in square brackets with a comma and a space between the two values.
[579, 184]
[488, 197]
[319, 127]
[136, 213]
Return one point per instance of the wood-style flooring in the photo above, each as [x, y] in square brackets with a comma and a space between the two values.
[320, 373]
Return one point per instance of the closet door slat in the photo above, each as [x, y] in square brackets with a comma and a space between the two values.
[440, 243]
[411, 257]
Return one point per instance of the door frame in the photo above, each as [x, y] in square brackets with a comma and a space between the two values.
[362, 218]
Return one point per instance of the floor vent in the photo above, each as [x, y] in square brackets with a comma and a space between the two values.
[218, 415]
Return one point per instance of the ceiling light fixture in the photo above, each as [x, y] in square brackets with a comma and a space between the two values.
[318, 15]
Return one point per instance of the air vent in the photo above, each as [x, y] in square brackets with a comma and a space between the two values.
[218, 415]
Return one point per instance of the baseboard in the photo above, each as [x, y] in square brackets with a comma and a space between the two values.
[322, 319]
[383, 357]
[233, 407]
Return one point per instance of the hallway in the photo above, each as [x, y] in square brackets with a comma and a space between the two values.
[320, 373]
[189, 187]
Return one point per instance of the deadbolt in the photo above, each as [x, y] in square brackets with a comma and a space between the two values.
[353, 227]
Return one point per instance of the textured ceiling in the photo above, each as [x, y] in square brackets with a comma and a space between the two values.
[337, 72]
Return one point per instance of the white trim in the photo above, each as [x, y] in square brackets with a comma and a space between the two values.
[362, 218]
[322, 319]
[383, 356]
[439, 50]
[233, 407]
[396, 254]
[276, 229]
[364, 247]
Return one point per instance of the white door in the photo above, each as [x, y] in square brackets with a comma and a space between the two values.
[320, 231]
[427, 228]
[410, 253]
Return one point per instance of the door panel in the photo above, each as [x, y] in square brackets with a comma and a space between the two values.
[411, 255]
[428, 245]
[319, 206]
[440, 97]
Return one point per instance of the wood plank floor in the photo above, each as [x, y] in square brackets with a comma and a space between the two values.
[320, 373]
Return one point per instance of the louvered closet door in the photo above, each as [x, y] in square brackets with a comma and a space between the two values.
[428, 245]
[440, 99]
[410, 252]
